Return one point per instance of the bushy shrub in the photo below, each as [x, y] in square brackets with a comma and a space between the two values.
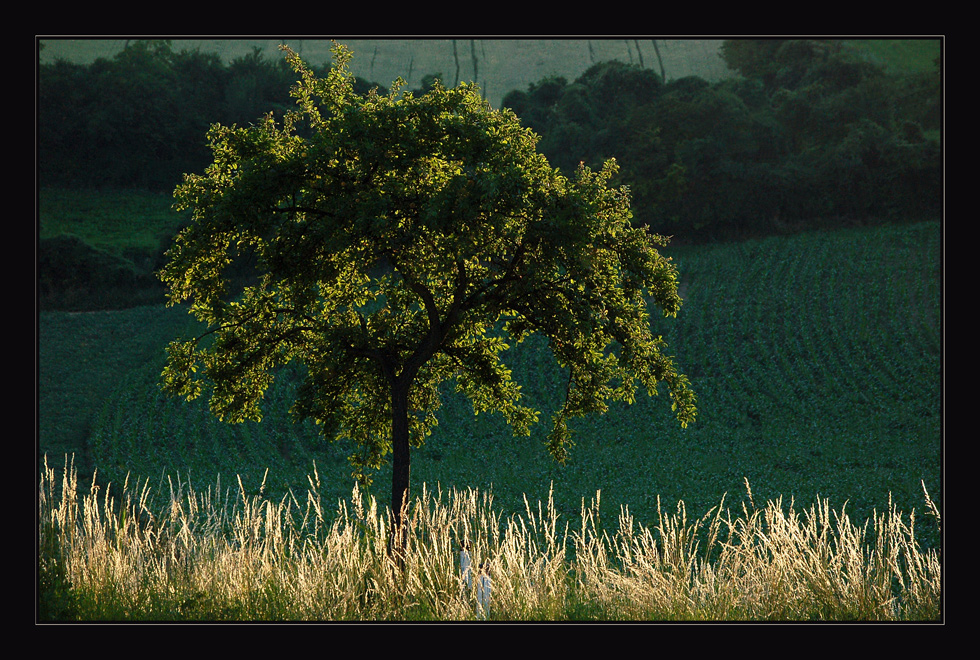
[73, 275]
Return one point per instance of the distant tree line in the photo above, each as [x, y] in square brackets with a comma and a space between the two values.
[807, 134]
[139, 119]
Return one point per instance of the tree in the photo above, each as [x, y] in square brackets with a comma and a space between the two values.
[400, 242]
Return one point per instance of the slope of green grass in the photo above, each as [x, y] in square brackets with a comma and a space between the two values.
[901, 55]
[82, 358]
[816, 360]
[123, 222]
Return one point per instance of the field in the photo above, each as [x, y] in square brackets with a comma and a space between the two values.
[108, 223]
[816, 359]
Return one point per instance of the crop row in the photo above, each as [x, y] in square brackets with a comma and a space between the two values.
[816, 361]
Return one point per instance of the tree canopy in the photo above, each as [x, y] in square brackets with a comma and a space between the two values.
[812, 133]
[402, 241]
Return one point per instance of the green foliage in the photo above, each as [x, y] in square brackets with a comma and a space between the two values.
[753, 58]
[66, 258]
[814, 133]
[106, 124]
[136, 120]
[401, 242]
[75, 275]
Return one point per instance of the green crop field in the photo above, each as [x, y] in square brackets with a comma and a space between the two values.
[816, 358]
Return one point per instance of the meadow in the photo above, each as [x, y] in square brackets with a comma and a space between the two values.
[217, 554]
[817, 359]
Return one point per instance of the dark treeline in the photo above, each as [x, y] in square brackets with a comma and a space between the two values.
[809, 134]
[139, 119]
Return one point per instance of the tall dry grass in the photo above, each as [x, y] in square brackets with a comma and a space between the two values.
[769, 563]
[179, 553]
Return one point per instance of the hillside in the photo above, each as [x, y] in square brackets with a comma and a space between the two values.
[498, 65]
[816, 359]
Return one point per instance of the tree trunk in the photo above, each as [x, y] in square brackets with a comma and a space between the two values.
[401, 465]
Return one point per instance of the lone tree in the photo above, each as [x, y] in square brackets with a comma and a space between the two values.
[400, 241]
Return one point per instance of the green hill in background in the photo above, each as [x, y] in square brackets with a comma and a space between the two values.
[816, 359]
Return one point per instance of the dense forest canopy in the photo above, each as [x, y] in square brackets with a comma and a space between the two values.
[140, 119]
[810, 133]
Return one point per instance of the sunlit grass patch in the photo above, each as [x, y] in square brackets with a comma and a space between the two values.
[179, 553]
